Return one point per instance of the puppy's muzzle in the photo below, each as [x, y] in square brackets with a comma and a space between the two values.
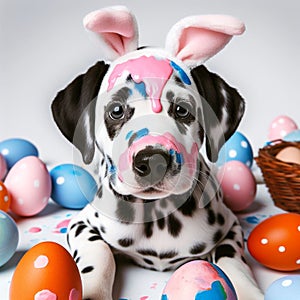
[151, 165]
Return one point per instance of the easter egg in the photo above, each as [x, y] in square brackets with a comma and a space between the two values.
[15, 149]
[238, 185]
[238, 148]
[290, 155]
[280, 127]
[4, 197]
[275, 242]
[199, 280]
[29, 184]
[9, 237]
[293, 136]
[287, 287]
[72, 186]
[46, 271]
[3, 167]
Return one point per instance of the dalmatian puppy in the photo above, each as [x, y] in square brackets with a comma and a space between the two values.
[140, 119]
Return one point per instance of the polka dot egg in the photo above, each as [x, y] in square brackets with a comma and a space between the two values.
[238, 148]
[29, 185]
[9, 237]
[280, 127]
[238, 185]
[46, 271]
[74, 181]
[287, 287]
[275, 242]
[4, 197]
[15, 149]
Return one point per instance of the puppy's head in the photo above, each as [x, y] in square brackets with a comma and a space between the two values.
[150, 110]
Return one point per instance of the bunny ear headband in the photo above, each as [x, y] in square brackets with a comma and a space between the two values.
[192, 40]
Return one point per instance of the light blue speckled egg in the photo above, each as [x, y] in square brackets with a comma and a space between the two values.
[238, 148]
[72, 186]
[15, 149]
[293, 136]
[9, 237]
[287, 287]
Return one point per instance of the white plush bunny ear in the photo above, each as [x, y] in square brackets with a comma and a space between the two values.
[115, 29]
[195, 39]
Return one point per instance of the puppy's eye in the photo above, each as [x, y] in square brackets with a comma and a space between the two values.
[116, 112]
[181, 111]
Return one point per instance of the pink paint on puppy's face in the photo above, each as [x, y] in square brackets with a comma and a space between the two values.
[153, 72]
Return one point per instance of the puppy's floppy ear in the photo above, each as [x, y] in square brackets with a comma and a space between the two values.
[74, 112]
[223, 108]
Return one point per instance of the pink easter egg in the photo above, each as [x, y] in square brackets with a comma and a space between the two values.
[3, 167]
[29, 184]
[199, 279]
[238, 185]
[280, 127]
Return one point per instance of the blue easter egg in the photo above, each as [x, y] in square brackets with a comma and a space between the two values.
[72, 186]
[9, 237]
[15, 149]
[238, 148]
[287, 287]
[293, 136]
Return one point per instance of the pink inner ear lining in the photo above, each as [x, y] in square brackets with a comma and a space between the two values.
[201, 43]
[119, 22]
[115, 41]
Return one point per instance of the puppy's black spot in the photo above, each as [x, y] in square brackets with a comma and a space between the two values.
[198, 248]
[103, 229]
[217, 236]
[220, 219]
[94, 238]
[147, 252]
[148, 261]
[160, 219]
[79, 229]
[148, 229]
[125, 211]
[75, 254]
[189, 207]
[174, 225]
[87, 269]
[168, 254]
[125, 242]
[239, 244]
[224, 251]
[230, 235]
[211, 217]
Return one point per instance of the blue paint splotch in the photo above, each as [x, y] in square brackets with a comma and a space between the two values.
[164, 297]
[216, 292]
[183, 76]
[252, 220]
[137, 135]
[141, 88]
[178, 156]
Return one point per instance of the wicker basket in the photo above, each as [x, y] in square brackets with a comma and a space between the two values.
[281, 178]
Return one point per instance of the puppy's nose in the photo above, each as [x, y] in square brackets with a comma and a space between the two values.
[151, 165]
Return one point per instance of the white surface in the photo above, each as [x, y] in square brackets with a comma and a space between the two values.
[43, 46]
